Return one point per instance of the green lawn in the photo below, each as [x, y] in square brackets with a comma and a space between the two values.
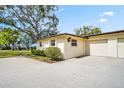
[10, 53]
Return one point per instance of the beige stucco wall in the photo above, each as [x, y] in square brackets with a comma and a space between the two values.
[59, 42]
[65, 46]
[74, 51]
[112, 45]
[87, 47]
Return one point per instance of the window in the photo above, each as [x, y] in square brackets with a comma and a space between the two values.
[52, 42]
[41, 44]
[74, 42]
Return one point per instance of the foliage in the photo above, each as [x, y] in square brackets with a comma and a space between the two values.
[87, 30]
[54, 53]
[35, 20]
[24, 41]
[95, 30]
[38, 52]
[13, 39]
[8, 37]
[10, 53]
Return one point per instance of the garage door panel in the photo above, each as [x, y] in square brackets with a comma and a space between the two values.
[121, 48]
[99, 48]
[121, 40]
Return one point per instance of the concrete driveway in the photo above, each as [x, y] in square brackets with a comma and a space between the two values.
[86, 72]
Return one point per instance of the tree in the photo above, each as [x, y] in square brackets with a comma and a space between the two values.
[87, 30]
[35, 20]
[95, 30]
[24, 41]
[8, 38]
[78, 31]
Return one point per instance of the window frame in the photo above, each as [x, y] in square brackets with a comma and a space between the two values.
[41, 44]
[74, 43]
[52, 44]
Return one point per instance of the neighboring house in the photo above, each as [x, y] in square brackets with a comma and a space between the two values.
[110, 44]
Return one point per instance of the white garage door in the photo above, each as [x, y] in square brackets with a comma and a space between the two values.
[121, 48]
[99, 48]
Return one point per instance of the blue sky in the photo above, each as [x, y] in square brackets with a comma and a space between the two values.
[108, 18]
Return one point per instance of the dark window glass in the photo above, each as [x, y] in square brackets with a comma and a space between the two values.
[74, 42]
[41, 44]
[52, 42]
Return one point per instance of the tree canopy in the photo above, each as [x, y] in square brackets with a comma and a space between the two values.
[87, 30]
[8, 37]
[24, 41]
[35, 20]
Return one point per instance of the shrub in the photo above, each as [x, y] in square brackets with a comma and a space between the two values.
[38, 52]
[54, 53]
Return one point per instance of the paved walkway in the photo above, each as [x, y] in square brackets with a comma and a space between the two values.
[89, 71]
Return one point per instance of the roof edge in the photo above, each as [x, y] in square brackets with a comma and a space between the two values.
[112, 32]
[60, 35]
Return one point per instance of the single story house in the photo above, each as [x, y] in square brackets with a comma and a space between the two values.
[110, 44]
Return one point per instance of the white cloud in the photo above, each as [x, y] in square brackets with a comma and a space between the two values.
[60, 10]
[102, 20]
[109, 13]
